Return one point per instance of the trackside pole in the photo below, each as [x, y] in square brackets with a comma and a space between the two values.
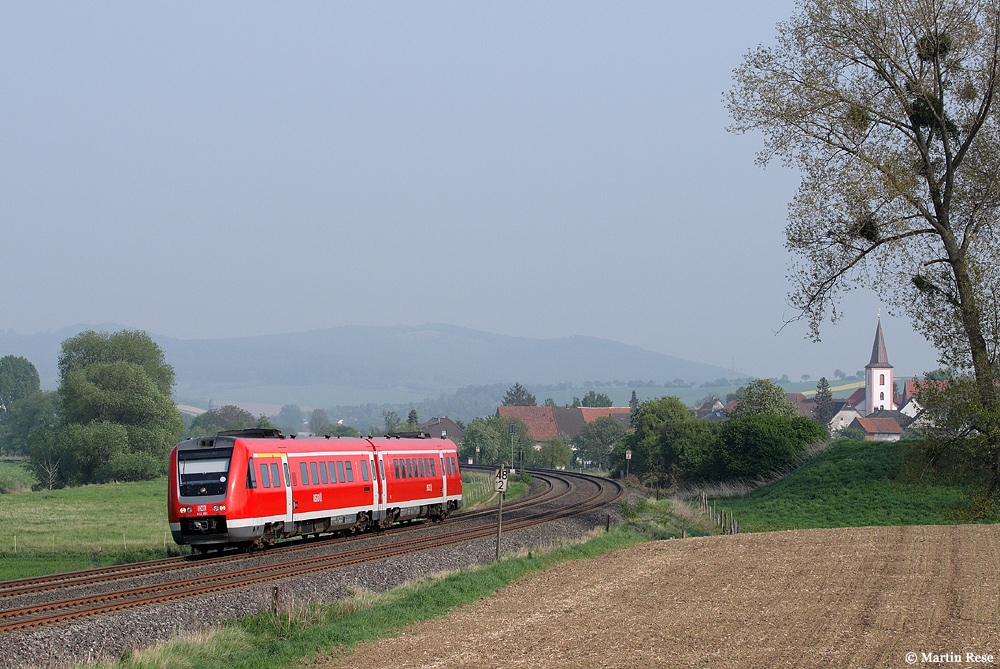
[499, 520]
[500, 487]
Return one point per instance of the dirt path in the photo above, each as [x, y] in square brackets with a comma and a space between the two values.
[856, 597]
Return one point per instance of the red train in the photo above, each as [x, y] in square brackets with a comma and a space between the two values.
[252, 487]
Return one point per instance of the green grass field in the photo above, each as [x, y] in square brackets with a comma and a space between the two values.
[851, 484]
[51, 531]
[15, 476]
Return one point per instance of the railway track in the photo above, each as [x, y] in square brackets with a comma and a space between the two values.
[553, 502]
[26, 586]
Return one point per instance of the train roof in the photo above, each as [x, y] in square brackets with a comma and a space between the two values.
[273, 440]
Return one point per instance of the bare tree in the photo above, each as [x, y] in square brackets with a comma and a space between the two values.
[49, 468]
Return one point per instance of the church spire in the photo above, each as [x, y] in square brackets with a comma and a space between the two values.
[879, 357]
[878, 378]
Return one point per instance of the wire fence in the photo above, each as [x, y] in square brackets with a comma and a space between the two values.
[476, 487]
[71, 541]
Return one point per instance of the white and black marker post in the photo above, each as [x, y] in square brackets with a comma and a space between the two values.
[500, 487]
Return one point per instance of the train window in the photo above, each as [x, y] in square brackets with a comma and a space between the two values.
[315, 473]
[409, 467]
[395, 465]
[350, 472]
[333, 472]
[340, 470]
[203, 472]
[364, 470]
[288, 478]
[382, 469]
[454, 465]
[420, 464]
[276, 474]
[433, 472]
[304, 469]
[322, 472]
[264, 479]
[251, 475]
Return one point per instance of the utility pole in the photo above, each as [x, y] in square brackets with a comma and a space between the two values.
[510, 428]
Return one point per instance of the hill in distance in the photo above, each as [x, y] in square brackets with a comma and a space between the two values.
[360, 364]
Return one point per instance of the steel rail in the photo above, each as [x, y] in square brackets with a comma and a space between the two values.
[27, 616]
[37, 584]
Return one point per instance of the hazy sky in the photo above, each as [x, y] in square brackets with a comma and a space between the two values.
[538, 169]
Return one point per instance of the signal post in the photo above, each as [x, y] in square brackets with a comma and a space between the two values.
[500, 486]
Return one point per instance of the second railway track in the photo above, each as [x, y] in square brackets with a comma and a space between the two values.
[564, 494]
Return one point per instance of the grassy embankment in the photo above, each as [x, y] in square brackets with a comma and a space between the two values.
[851, 484]
[292, 637]
[52, 531]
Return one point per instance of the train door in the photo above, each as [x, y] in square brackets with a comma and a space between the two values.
[289, 523]
[381, 487]
[376, 486]
[444, 478]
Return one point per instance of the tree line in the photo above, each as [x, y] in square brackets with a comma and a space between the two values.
[764, 433]
[111, 419]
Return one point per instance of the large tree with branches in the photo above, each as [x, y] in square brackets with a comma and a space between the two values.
[888, 109]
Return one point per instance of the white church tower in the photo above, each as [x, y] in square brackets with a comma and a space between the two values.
[878, 378]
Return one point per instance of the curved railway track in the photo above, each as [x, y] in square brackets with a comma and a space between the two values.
[556, 500]
[38, 584]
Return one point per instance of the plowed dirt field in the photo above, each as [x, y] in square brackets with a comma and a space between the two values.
[856, 597]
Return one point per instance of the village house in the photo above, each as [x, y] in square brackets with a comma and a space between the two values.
[443, 427]
[878, 429]
[546, 423]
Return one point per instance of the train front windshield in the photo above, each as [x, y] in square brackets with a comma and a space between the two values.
[203, 472]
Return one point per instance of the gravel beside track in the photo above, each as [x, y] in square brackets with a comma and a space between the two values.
[109, 636]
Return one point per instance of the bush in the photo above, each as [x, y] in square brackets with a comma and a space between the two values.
[754, 446]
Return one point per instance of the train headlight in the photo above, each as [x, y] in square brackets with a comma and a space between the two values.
[219, 507]
[185, 509]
